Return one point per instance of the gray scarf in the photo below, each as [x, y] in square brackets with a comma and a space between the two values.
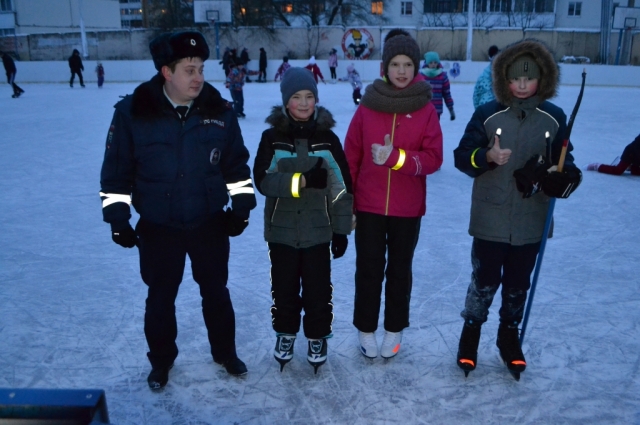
[384, 97]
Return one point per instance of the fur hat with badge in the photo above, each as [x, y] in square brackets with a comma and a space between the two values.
[170, 47]
[401, 45]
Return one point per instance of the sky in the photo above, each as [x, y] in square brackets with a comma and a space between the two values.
[72, 301]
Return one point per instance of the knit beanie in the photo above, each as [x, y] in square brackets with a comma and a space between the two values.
[296, 79]
[523, 66]
[431, 57]
[312, 60]
[400, 45]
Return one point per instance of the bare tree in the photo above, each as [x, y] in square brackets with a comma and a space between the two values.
[167, 14]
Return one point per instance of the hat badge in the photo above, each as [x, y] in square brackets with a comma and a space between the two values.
[193, 42]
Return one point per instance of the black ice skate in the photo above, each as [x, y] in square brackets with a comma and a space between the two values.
[508, 343]
[317, 353]
[158, 377]
[283, 352]
[468, 348]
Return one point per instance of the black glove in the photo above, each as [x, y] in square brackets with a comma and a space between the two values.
[235, 225]
[561, 185]
[453, 114]
[528, 178]
[339, 245]
[126, 237]
[316, 177]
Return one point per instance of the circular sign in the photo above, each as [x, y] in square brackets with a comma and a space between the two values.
[357, 44]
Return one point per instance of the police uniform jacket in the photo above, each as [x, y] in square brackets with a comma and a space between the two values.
[174, 172]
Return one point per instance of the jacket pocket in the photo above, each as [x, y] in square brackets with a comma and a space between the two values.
[152, 200]
[490, 194]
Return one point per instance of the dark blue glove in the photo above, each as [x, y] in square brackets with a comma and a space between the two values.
[339, 245]
[126, 237]
[234, 225]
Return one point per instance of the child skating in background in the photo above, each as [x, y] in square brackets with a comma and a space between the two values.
[333, 63]
[630, 159]
[282, 68]
[315, 70]
[235, 84]
[509, 147]
[354, 78]
[440, 86]
[100, 73]
[302, 171]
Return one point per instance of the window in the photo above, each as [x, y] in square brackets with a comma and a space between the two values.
[376, 7]
[406, 8]
[442, 6]
[5, 6]
[287, 8]
[575, 8]
[7, 31]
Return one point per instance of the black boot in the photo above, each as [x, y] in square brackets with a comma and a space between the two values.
[468, 347]
[234, 366]
[508, 343]
[317, 353]
[158, 377]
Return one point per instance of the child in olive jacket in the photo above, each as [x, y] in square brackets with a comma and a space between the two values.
[301, 169]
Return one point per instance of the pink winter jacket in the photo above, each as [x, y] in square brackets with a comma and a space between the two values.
[399, 187]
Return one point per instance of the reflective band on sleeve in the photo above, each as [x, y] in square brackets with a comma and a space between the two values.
[473, 155]
[245, 186]
[401, 159]
[112, 198]
[295, 185]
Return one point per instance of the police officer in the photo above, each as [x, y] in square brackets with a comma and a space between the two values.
[175, 151]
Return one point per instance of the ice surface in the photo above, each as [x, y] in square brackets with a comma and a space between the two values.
[72, 302]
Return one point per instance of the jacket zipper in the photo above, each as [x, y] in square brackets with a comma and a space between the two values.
[274, 211]
[393, 129]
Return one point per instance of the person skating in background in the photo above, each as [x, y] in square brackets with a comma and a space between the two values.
[630, 160]
[393, 142]
[509, 147]
[301, 169]
[333, 63]
[244, 60]
[284, 66]
[11, 70]
[354, 78]
[175, 151]
[315, 70]
[483, 90]
[440, 86]
[226, 58]
[100, 73]
[262, 64]
[76, 67]
[235, 83]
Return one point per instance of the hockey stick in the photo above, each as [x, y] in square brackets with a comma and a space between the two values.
[552, 204]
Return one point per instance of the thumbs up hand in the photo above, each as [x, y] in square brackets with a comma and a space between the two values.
[381, 153]
[496, 154]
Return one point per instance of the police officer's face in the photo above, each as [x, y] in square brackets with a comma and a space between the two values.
[186, 82]
[302, 105]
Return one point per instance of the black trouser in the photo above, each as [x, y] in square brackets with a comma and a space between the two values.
[291, 269]
[11, 80]
[397, 237]
[333, 72]
[163, 252]
[495, 263]
[73, 75]
[262, 75]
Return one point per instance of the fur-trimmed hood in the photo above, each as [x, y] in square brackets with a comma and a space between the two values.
[549, 71]
[148, 100]
[280, 121]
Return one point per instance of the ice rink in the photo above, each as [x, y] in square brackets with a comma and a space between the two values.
[72, 301]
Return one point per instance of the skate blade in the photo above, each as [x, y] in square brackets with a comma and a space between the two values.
[282, 362]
